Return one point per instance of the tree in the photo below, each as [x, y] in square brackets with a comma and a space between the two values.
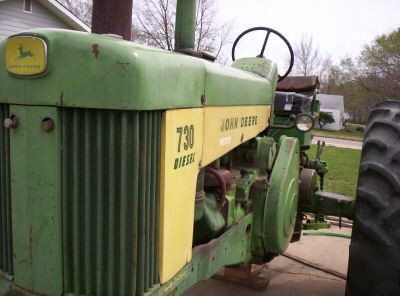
[210, 36]
[379, 66]
[371, 77]
[325, 118]
[81, 9]
[154, 22]
[309, 60]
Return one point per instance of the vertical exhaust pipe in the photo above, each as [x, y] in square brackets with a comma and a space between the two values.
[112, 17]
[185, 25]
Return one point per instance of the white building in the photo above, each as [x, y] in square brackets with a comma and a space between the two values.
[334, 105]
[22, 15]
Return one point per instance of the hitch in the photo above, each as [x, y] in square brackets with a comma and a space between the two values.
[325, 203]
[335, 204]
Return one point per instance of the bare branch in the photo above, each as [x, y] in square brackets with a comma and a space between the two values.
[156, 20]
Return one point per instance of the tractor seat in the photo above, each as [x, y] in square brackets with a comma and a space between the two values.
[298, 84]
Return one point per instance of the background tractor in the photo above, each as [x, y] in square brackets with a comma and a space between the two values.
[129, 170]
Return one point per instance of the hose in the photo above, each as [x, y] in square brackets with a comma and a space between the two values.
[320, 233]
[315, 266]
[221, 182]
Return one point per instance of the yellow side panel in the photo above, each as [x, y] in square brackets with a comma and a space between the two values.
[227, 127]
[26, 55]
[182, 132]
[192, 138]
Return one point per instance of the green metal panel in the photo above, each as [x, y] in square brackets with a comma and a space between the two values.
[281, 206]
[94, 71]
[230, 86]
[6, 253]
[260, 66]
[111, 175]
[36, 205]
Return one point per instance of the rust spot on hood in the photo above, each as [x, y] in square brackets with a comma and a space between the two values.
[62, 99]
[95, 50]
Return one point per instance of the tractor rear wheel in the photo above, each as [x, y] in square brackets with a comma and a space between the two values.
[374, 259]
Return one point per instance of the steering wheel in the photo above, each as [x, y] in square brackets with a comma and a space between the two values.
[261, 55]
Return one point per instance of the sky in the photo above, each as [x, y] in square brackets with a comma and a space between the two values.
[339, 28]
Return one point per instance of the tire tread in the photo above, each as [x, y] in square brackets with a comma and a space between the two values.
[374, 261]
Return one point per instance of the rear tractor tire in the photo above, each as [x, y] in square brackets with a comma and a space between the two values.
[374, 259]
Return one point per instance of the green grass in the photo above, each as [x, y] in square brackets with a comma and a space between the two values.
[343, 164]
[349, 133]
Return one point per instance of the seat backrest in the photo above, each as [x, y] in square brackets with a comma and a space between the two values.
[298, 84]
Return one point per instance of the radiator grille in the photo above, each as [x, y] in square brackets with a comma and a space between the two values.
[6, 259]
[111, 173]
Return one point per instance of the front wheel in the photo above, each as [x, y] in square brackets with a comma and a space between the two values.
[374, 258]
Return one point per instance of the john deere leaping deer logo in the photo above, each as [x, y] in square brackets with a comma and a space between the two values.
[24, 54]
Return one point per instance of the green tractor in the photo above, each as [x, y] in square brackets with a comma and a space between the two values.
[129, 170]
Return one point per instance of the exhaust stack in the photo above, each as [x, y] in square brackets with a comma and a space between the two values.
[185, 25]
[112, 17]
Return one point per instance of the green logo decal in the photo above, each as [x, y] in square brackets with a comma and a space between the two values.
[24, 54]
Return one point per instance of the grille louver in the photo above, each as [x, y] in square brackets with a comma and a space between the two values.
[110, 193]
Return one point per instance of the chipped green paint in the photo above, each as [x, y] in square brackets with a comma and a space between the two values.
[36, 204]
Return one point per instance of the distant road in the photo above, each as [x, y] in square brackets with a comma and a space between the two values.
[339, 142]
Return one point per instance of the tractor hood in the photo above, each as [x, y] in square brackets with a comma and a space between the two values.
[75, 69]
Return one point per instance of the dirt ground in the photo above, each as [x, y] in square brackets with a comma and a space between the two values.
[288, 277]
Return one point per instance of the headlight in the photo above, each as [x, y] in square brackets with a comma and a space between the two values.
[304, 122]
